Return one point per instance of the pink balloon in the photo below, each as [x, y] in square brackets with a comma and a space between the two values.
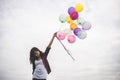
[61, 35]
[71, 38]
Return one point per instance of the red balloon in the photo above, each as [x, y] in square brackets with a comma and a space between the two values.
[74, 15]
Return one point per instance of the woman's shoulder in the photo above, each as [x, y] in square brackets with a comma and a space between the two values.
[42, 54]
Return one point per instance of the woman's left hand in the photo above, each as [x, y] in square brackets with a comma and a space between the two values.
[55, 34]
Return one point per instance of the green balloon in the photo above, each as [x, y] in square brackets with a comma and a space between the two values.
[62, 18]
[80, 21]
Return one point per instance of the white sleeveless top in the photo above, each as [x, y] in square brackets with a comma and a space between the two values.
[40, 70]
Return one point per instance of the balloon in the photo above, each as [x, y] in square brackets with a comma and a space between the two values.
[69, 20]
[61, 35]
[67, 31]
[74, 15]
[80, 21]
[73, 26]
[86, 26]
[76, 30]
[82, 34]
[71, 38]
[79, 7]
[71, 10]
[62, 18]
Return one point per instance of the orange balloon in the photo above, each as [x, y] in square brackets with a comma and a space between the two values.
[73, 26]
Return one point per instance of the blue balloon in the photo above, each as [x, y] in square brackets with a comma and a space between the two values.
[82, 34]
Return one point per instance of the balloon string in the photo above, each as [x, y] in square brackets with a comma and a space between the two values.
[66, 49]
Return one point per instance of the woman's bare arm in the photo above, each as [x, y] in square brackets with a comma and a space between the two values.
[51, 41]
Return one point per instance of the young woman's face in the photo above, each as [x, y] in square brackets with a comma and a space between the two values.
[37, 54]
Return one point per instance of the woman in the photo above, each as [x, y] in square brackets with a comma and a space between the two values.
[39, 61]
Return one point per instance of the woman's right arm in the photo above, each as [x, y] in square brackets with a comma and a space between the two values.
[50, 43]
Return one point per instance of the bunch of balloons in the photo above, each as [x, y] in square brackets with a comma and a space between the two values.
[77, 24]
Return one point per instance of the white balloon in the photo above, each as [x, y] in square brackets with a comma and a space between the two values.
[82, 34]
[67, 31]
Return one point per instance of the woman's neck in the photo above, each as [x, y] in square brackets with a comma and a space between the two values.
[39, 58]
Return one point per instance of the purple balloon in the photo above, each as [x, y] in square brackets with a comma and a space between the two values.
[76, 30]
[71, 10]
[86, 26]
[74, 15]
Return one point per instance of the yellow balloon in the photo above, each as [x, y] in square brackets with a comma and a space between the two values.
[69, 20]
[73, 26]
[79, 7]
